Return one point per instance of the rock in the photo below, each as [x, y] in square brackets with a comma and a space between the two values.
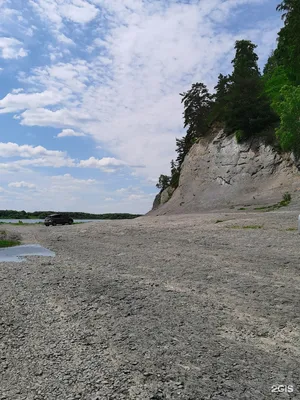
[250, 173]
[166, 195]
[156, 202]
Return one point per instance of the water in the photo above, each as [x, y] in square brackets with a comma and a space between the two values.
[35, 221]
[17, 253]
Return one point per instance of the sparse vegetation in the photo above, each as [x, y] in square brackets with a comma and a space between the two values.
[8, 243]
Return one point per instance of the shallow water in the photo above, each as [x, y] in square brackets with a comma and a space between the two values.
[17, 253]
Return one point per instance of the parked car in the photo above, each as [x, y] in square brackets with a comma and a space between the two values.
[58, 219]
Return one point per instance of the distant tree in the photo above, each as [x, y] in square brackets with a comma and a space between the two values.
[248, 108]
[163, 182]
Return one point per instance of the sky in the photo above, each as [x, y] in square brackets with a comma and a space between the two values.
[89, 93]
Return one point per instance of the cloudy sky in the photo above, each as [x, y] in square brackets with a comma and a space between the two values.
[89, 92]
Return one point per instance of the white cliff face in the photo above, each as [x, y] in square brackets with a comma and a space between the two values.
[223, 173]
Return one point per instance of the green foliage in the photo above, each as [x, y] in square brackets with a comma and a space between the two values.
[175, 175]
[288, 133]
[219, 107]
[239, 135]
[197, 104]
[8, 243]
[287, 197]
[163, 182]
[245, 60]
[288, 49]
[248, 107]
[274, 81]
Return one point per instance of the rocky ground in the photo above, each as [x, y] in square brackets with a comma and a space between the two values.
[178, 307]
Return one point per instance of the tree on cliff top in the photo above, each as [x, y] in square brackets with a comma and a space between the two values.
[248, 108]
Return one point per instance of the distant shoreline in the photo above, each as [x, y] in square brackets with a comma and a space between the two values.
[23, 215]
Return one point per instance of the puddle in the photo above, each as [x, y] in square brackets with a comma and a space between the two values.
[17, 253]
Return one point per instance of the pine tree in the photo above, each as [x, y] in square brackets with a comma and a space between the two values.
[220, 98]
[248, 108]
[197, 105]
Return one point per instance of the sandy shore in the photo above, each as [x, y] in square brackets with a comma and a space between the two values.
[176, 307]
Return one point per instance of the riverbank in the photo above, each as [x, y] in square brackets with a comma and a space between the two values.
[180, 307]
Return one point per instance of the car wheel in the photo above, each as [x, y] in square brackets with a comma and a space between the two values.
[46, 224]
[53, 223]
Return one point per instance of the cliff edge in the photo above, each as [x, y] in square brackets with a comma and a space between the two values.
[218, 174]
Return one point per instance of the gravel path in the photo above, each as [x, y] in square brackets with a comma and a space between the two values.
[154, 308]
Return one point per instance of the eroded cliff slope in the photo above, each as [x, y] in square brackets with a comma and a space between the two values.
[219, 173]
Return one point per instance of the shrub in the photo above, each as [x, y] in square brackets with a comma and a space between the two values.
[239, 135]
[287, 197]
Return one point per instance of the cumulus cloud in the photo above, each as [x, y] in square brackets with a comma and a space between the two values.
[22, 184]
[17, 100]
[11, 48]
[69, 132]
[56, 11]
[104, 163]
[36, 156]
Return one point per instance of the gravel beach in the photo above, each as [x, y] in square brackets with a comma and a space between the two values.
[185, 307]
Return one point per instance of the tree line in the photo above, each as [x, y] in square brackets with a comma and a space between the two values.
[246, 102]
[13, 214]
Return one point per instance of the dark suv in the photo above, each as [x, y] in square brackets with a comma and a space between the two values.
[58, 219]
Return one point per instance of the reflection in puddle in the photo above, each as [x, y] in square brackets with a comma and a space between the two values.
[16, 253]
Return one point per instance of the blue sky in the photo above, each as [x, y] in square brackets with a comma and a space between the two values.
[89, 93]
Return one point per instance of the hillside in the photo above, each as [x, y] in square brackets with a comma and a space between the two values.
[219, 173]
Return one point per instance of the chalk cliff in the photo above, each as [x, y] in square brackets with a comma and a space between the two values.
[218, 173]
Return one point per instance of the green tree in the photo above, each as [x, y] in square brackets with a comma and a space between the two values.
[175, 174]
[288, 49]
[220, 97]
[197, 105]
[288, 133]
[163, 182]
[248, 107]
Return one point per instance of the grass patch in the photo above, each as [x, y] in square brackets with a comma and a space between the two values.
[291, 229]
[286, 199]
[219, 220]
[8, 243]
[242, 208]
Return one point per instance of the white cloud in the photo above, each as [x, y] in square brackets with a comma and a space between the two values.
[64, 39]
[69, 132]
[79, 11]
[11, 48]
[22, 184]
[37, 156]
[55, 11]
[16, 100]
[104, 163]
